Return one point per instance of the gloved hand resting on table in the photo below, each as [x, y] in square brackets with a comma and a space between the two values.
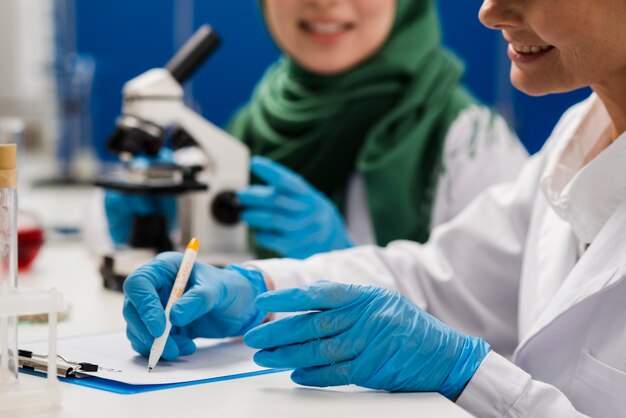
[367, 336]
[121, 207]
[218, 303]
[289, 215]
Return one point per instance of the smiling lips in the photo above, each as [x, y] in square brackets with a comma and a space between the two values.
[530, 49]
[325, 29]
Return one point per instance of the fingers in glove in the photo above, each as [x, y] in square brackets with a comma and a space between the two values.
[337, 374]
[279, 176]
[321, 295]
[204, 296]
[268, 197]
[301, 328]
[314, 353]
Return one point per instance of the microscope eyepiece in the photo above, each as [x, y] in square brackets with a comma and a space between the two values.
[193, 53]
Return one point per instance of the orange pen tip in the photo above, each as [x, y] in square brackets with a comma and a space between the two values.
[194, 244]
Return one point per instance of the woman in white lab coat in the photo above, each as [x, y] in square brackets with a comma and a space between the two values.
[537, 268]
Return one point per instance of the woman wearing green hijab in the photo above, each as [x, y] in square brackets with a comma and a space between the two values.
[367, 107]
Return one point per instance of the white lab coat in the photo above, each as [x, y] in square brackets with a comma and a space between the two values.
[479, 150]
[513, 268]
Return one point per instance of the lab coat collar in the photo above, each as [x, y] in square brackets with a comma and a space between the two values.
[602, 266]
[586, 196]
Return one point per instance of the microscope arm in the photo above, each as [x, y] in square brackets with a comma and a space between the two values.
[227, 157]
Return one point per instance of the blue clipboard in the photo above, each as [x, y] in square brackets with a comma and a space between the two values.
[127, 389]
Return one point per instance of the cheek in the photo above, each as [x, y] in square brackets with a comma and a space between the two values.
[376, 19]
[281, 19]
[589, 45]
[374, 7]
[600, 58]
[589, 61]
[378, 15]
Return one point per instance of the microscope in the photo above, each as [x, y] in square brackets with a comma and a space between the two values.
[153, 112]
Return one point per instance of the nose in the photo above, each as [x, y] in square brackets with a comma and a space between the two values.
[500, 14]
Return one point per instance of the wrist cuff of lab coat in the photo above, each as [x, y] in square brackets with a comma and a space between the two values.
[282, 271]
[495, 387]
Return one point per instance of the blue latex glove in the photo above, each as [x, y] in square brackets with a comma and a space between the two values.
[363, 335]
[121, 208]
[289, 215]
[217, 303]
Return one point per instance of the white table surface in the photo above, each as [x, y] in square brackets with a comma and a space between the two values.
[68, 267]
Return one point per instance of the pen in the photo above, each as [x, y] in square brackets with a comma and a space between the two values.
[177, 291]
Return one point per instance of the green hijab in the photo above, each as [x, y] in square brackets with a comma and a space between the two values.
[385, 119]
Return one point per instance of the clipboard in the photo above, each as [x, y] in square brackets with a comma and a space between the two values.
[112, 365]
[125, 389]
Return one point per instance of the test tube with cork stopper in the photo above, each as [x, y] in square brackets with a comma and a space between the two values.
[8, 260]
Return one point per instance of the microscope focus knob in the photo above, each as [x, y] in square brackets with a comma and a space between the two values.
[226, 208]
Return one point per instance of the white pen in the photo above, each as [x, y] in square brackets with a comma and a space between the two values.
[177, 291]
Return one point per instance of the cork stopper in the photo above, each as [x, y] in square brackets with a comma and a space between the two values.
[8, 153]
[8, 156]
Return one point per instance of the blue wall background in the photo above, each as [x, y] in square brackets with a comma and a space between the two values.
[128, 37]
[125, 38]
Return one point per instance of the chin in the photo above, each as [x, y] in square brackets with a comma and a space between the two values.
[541, 86]
[533, 86]
[326, 69]
[530, 89]
[326, 66]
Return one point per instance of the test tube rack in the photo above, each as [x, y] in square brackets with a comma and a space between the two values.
[28, 395]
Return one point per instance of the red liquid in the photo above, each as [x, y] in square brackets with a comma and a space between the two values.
[29, 242]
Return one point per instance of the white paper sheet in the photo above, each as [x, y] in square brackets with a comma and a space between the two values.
[213, 359]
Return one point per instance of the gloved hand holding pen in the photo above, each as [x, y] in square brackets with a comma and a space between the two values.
[289, 216]
[218, 303]
[363, 335]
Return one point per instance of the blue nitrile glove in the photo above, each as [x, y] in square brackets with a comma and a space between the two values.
[217, 303]
[121, 208]
[289, 215]
[363, 335]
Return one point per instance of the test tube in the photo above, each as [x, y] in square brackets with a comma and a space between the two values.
[8, 261]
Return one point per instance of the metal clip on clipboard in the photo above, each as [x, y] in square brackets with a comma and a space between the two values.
[69, 368]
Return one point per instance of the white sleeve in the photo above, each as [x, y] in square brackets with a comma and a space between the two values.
[501, 389]
[480, 151]
[467, 274]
